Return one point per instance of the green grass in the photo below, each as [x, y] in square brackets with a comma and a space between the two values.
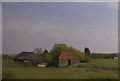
[94, 71]
[104, 63]
[59, 73]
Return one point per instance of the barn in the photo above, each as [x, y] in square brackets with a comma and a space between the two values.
[68, 59]
[28, 57]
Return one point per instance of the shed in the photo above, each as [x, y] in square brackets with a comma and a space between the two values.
[68, 59]
[28, 57]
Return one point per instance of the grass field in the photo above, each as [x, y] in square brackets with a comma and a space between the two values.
[98, 69]
[104, 63]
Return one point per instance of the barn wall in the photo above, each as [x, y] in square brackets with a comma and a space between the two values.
[75, 62]
[63, 63]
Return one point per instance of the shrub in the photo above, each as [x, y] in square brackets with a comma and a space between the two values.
[87, 58]
[53, 63]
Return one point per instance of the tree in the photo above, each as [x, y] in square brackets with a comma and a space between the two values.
[87, 54]
[45, 51]
[87, 51]
[45, 57]
[77, 53]
[57, 49]
[38, 50]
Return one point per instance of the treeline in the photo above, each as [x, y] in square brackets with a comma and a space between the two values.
[103, 55]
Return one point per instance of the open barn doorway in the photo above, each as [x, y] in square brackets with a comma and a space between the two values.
[69, 62]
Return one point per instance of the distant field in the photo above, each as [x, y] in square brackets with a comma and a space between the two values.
[104, 63]
[97, 69]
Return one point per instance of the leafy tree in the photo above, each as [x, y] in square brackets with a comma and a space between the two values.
[87, 58]
[45, 51]
[77, 53]
[57, 49]
[45, 57]
[87, 51]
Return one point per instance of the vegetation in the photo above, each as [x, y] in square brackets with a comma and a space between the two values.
[56, 50]
[103, 56]
[45, 57]
[87, 59]
[104, 63]
[96, 69]
[96, 66]
[58, 73]
[87, 51]
[7, 75]
[45, 51]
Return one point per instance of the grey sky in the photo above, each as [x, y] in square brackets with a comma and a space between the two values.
[30, 25]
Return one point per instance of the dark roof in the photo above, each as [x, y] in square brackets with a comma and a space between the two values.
[67, 55]
[27, 55]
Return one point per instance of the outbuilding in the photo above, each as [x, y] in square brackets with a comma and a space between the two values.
[28, 57]
[68, 59]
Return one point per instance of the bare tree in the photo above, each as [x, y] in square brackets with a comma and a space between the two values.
[38, 50]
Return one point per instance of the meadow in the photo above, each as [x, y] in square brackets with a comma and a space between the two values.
[96, 69]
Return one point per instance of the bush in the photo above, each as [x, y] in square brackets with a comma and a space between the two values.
[87, 58]
[53, 63]
[45, 57]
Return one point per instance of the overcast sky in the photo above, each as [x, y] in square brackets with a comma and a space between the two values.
[0, 28]
[82, 24]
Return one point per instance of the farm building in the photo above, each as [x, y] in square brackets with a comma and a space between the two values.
[28, 57]
[68, 59]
